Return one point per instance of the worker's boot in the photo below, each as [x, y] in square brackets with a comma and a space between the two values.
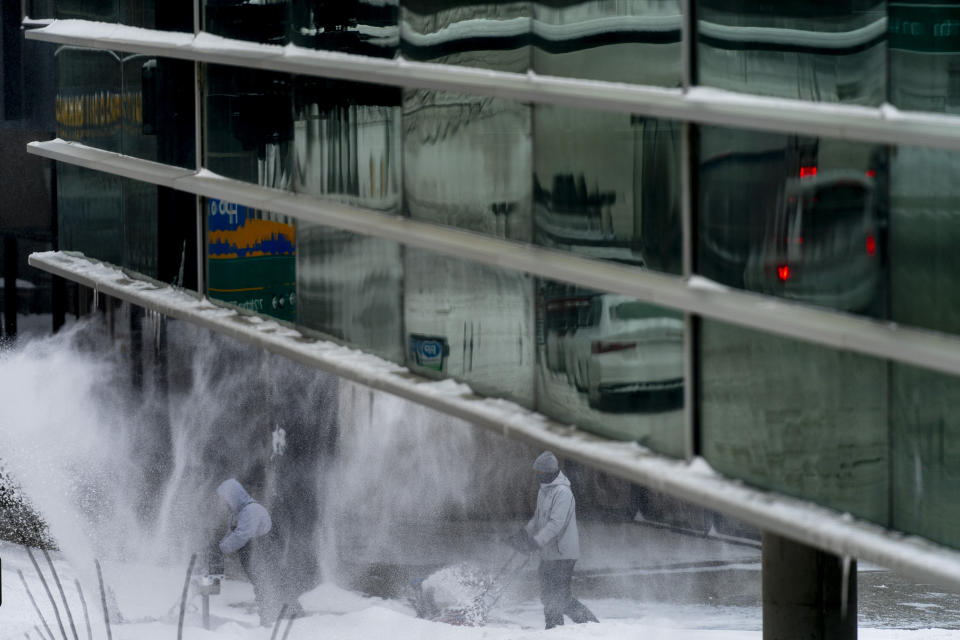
[553, 619]
[579, 613]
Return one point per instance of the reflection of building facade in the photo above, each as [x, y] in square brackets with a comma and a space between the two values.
[808, 50]
[27, 219]
[757, 256]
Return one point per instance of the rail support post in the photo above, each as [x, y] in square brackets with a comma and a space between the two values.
[807, 594]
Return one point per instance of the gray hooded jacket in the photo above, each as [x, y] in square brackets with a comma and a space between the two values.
[248, 518]
[554, 523]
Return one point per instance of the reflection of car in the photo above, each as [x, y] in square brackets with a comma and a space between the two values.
[623, 346]
[575, 344]
[821, 246]
[737, 189]
[638, 348]
[562, 315]
[776, 220]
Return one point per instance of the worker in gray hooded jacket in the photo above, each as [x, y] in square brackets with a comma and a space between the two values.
[249, 537]
[553, 531]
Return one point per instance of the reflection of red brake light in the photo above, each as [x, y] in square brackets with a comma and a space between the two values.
[783, 272]
[808, 172]
[600, 346]
[871, 245]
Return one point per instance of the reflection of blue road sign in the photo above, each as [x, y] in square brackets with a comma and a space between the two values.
[428, 351]
[225, 216]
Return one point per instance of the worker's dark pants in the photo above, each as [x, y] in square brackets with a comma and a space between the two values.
[259, 561]
[555, 576]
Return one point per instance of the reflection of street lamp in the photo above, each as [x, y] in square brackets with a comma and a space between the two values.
[339, 15]
[500, 220]
[656, 192]
[605, 201]
[636, 123]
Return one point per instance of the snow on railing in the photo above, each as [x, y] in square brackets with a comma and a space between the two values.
[694, 481]
[884, 124]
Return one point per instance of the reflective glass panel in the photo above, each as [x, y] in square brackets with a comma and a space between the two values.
[89, 107]
[346, 139]
[148, 14]
[796, 418]
[923, 237]
[136, 13]
[140, 227]
[90, 212]
[39, 8]
[924, 232]
[611, 364]
[794, 217]
[364, 27]
[925, 448]
[251, 258]
[98, 10]
[168, 109]
[622, 41]
[265, 21]
[924, 42]
[177, 238]
[467, 159]
[467, 162]
[607, 185]
[143, 13]
[350, 287]
[100, 102]
[492, 35]
[812, 50]
[249, 126]
[133, 104]
[470, 322]
[139, 106]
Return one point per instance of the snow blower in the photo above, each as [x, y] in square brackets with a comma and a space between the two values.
[463, 594]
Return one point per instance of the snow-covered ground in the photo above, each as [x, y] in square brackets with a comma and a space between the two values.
[400, 505]
[148, 599]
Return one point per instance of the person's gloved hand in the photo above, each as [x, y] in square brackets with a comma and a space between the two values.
[522, 542]
[515, 540]
[531, 544]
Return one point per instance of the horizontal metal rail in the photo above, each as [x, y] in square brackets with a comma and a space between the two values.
[882, 125]
[926, 349]
[695, 482]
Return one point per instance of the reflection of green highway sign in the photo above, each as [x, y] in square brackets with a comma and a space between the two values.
[924, 27]
[251, 260]
[265, 284]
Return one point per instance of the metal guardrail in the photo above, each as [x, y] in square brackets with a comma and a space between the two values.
[884, 124]
[803, 521]
[799, 520]
[927, 349]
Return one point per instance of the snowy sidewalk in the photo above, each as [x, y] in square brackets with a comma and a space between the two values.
[148, 599]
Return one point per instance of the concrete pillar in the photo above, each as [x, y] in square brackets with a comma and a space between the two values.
[807, 593]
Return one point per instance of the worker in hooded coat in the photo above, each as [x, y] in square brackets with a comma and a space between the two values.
[250, 538]
[553, 532]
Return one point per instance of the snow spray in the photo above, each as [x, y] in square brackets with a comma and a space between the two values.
[125, 467]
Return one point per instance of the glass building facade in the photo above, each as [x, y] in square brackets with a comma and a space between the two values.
[851, 227]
